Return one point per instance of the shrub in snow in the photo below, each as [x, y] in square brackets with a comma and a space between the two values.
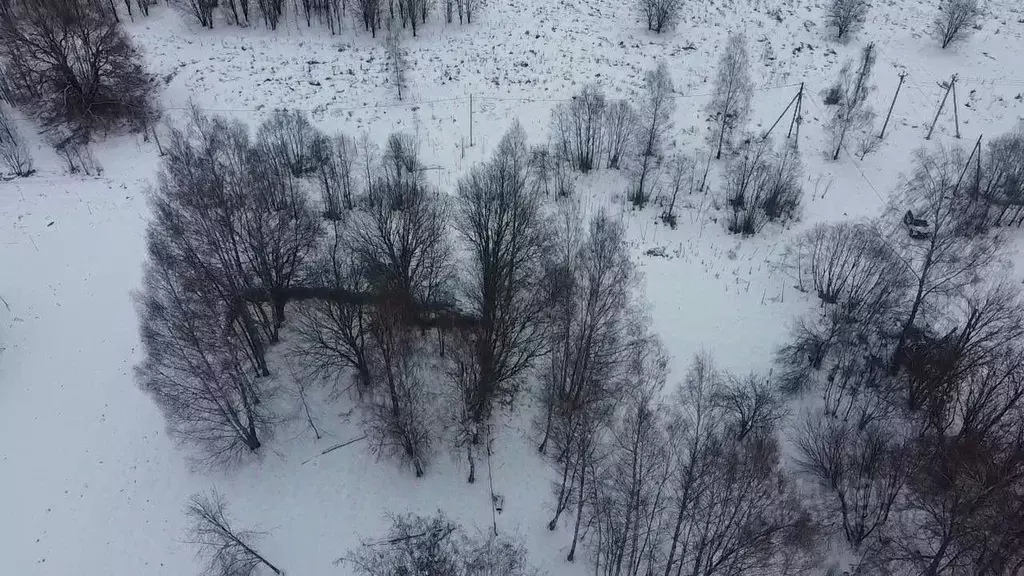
[762, 186]
[434, 545]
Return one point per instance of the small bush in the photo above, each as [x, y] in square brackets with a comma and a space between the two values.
[762, 186]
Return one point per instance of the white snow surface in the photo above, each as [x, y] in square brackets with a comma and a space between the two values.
[91, 483]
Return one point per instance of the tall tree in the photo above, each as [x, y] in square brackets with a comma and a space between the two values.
[498, 215]
[655, 120]
[852, 110]
[730, 103]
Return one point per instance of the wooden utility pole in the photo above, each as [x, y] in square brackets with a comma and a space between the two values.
[781, 116]
[885, 124]
[956, 112]
[798, 117]
[471, 120]
[941, 106]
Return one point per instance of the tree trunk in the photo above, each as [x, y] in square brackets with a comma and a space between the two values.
[579, 507]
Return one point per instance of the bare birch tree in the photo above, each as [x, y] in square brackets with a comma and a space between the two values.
[852, 111]
[729, 107]
[397, 61]
[655, 121]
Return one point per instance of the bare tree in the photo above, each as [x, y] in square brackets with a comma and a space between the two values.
[660, 14]
[337, 174]
[852, 111]
[13, 150]
[401, 241]
[498, 216]
[71, 63]
[398, 63]
[279, 241]
[194, 368]
[397, 415]
[750, 405]
[288, 138]
[587, 369]
[730, 104]
[655, 120]
[694, 437]
[730, 510]
[577, 126]
[862, 470]
[229, 551]
[955, 20]
[271, 11]
[846, 16]
[333, 336]
[620, 124]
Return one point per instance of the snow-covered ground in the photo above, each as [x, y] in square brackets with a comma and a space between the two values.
[92, 484]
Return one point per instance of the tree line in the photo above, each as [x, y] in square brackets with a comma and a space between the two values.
[915, 366]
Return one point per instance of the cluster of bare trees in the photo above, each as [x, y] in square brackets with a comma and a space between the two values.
[590, 129]
[762, 185]
[69, 63]
[917, 361]
[689, 484]
[997, 179]
[236, 238]
[231, 234]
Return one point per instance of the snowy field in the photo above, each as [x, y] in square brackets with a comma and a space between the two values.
[92, 484]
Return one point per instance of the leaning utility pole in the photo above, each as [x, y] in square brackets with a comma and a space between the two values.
[903, 76]
[952, 82]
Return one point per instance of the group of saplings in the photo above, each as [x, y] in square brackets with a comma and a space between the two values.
[591, 131]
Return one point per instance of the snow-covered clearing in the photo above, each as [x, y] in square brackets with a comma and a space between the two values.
[91, 482]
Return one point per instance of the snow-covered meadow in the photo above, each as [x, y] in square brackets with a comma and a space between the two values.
[91, 482]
